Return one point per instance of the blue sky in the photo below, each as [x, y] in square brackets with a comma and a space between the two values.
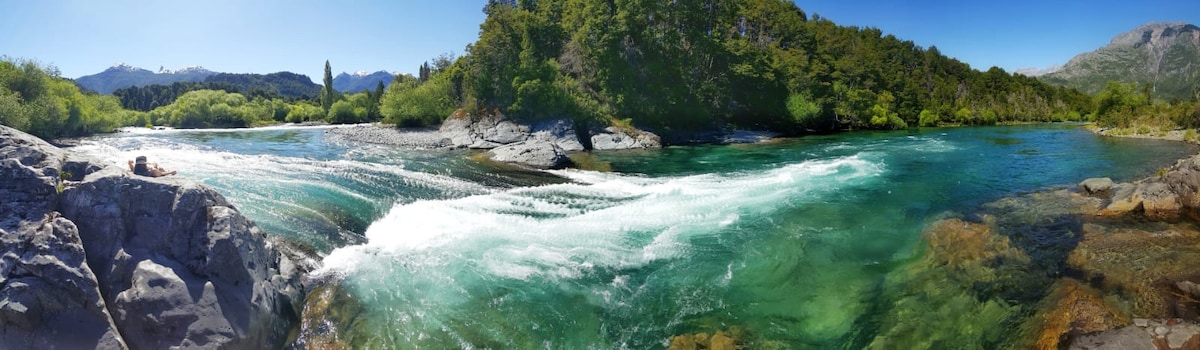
[83, 37]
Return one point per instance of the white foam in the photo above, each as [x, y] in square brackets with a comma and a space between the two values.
[603, 220]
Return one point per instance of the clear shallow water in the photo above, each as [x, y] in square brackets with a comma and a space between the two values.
[789, 241]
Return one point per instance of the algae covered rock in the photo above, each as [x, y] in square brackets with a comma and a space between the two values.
[957, 288]
[1072, 309]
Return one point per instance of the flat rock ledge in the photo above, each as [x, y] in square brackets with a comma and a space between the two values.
[91, 257]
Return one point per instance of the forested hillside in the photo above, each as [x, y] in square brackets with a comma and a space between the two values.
[282, 85]
[705, 64]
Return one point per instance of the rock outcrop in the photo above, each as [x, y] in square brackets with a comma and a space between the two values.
[1169, 196]
[493, 130]
[483, 132]
[614, 138]
[130, 261]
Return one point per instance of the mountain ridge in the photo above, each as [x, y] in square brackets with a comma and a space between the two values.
[122, 75]
[361, 80]
[1163, 55]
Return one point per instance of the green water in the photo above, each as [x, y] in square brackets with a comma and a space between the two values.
[790, 241]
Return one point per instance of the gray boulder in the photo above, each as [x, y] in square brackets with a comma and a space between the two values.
[542, 155]
[1096, 186]
[457, 130]
[614, 138]
[494, 130]
[560, 132]
[484, 132]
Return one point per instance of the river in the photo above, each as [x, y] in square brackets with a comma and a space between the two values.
[789, 242]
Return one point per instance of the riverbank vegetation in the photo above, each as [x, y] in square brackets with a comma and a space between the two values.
[35, 99]
[1130, 109]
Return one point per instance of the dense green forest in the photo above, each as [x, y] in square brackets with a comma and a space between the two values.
[708, 64]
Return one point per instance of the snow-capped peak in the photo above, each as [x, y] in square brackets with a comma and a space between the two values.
[122, 66]
[361, 73]
[188, 69]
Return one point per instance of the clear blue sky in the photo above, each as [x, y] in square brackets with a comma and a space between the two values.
[83, 37]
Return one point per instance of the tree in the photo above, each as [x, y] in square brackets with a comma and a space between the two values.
[327, 93]
[804, 111]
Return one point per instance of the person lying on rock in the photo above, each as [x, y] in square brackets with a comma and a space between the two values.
[141, 167]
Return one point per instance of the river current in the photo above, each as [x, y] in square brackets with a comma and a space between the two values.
[788, 241]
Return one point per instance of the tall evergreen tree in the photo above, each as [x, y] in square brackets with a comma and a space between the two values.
[327, 93]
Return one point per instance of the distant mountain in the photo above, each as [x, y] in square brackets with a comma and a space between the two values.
[283, 84]
[122, 76]
[1037, 72]
[361, 80]
[1165, 56]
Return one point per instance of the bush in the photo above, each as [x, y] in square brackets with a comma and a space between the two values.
[303, 112]
[928, 118]
[411, 103]
[804, 111]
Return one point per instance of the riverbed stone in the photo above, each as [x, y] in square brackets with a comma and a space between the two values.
[541, 155]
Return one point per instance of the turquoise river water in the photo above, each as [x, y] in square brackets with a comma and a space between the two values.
[789, 241]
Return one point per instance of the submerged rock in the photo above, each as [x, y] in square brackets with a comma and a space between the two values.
[1142, 265]
[1072, 309]
[148, 263]
[542, 155]
[719, 340]
[957, 292]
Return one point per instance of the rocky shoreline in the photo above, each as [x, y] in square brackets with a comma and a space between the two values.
[541, 144]
[93, 257]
